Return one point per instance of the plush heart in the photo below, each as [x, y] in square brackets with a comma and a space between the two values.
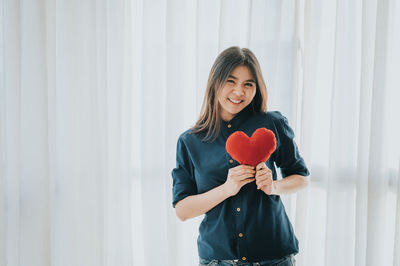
[251, 151]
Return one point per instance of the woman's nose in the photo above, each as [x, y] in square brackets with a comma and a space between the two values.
[238, 91]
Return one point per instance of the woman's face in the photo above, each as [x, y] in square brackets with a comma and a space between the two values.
[237, 92]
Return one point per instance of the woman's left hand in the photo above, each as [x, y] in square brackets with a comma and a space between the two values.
[264, 179]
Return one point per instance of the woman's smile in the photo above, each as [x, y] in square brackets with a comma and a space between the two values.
[235, 102]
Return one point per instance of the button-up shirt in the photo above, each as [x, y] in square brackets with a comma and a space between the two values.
[251, 225]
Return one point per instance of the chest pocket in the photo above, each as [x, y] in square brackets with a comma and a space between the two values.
[212, 169]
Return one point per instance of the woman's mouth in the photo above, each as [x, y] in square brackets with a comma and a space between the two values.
[236, 102]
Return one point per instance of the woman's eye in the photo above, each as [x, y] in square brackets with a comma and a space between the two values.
[230, 81]
[249, 84]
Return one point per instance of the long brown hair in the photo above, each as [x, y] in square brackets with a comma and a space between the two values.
[209, 122]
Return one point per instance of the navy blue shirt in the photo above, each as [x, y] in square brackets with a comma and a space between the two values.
[250, 226]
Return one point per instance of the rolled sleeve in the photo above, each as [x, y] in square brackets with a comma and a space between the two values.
[287, 156]
[184, 183]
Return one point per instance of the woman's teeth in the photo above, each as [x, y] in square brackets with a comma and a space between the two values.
[235, 102]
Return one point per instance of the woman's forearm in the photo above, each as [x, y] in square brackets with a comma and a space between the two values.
[196, 205]
[290, 184]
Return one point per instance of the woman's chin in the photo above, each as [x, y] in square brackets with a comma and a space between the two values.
[234, 111]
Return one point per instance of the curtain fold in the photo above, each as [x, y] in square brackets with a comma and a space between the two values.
[94, 94]
[349, 59]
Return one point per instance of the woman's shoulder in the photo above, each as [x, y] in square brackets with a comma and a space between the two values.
[184, 135]
[187, 136]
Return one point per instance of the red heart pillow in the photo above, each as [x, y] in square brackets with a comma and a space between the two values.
[254, 150]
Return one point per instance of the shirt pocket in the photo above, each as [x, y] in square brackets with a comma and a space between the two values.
[212, 170]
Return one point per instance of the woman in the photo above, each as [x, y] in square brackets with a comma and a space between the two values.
[245, 221]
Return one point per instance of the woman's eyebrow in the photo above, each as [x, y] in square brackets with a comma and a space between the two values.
[250, 80]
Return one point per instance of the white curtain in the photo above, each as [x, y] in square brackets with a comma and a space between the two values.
[350, 131]
[94, 94]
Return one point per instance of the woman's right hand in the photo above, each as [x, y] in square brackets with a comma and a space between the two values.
[238, 177]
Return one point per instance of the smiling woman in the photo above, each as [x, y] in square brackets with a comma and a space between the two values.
[245, 219]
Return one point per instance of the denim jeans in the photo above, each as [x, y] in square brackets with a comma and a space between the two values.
[286, 261]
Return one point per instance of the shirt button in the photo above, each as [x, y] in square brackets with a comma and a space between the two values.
[238, 209]
[240, 235]
[231, 161]
[229, 125]
[244, 258]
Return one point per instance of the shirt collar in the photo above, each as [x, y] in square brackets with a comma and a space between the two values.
[238, 119]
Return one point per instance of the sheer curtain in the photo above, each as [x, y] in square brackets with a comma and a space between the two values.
[350, 128]
[94, 94]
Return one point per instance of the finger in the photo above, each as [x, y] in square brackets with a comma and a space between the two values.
[258, 181]
[247, 171]
[265, 172]
[263, 183]
[240, 168]
[260, 176]
[245, 166]
[262, 172]
[261, 166]
[246, 181]
[245, 176]
[262, 179]
[242, 175]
